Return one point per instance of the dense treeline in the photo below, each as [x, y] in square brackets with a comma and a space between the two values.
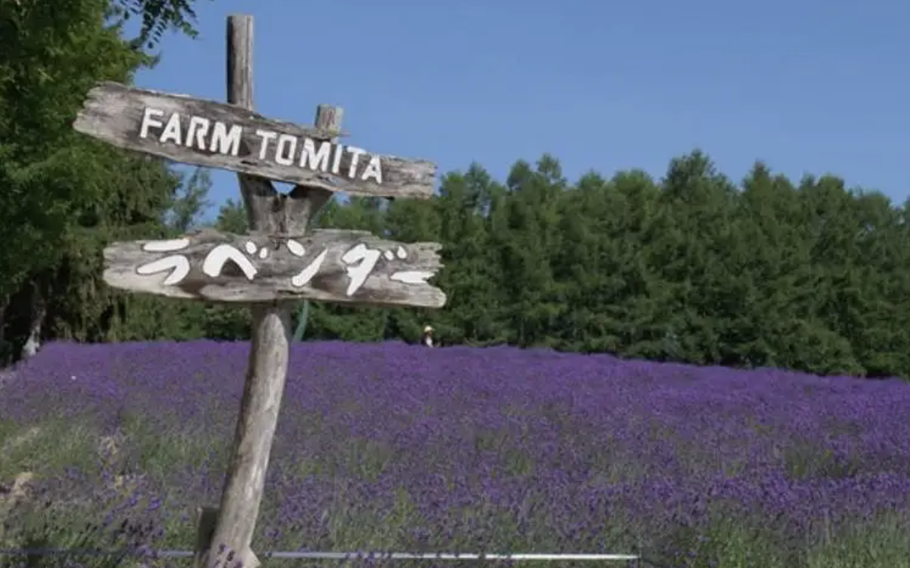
[692, 267]
[808, 276]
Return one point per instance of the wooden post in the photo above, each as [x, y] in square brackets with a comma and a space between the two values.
[268, 212]
[268, 359]
[205, 520]
[279, 262]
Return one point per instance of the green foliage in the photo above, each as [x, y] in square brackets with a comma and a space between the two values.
[157, 17]
[810, 276]
[232, 218]
[64, 195]
[190, 202]
[692, 267]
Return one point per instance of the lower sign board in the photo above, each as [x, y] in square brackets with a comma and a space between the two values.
[327, 265]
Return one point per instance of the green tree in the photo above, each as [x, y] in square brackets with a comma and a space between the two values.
[232, 218]
[64, 195]
[693, 236]
[190, 202]
[526, 236]
[157, 17]
[470, 277]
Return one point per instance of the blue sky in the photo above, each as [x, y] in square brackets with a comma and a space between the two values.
[807, 86]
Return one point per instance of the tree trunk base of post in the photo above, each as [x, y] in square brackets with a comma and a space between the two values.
[206, 517]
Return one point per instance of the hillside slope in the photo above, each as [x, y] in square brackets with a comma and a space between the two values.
[394, 446]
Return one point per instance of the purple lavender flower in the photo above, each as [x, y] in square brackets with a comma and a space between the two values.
[388, 446]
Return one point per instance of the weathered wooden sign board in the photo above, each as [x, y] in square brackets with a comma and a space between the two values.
[328, 265]
[278, 263]
[219, 135]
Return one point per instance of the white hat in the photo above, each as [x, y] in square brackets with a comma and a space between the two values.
[428, 329]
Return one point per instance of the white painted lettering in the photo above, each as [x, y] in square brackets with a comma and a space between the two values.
[148, 119]
[336, 164]
[303, 277]
[296, 248]
[169, 245]
[199, 127]
[373, 170]
[355, 157]
[313, 159]
[171, 132]
[266, 136]
[251, 249]
[287, 144]
[179, 266]
[411, 276]
[216, 258]
[226, 141]
[358, 274]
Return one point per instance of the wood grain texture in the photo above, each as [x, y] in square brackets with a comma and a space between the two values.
[205, 520]
[263, 388]
[393, 280]
[115, 113]
[329, 119]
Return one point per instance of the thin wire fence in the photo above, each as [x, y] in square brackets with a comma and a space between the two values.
[341, 556]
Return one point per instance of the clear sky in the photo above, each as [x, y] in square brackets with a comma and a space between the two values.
[806, 86]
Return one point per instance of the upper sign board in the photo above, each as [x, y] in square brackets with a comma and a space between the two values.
[228, 137]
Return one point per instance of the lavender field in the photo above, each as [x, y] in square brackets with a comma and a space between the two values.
[397, 447]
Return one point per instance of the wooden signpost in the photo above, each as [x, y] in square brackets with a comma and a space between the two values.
[278, 263]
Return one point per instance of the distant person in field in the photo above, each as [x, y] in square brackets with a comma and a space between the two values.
[427, 339]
